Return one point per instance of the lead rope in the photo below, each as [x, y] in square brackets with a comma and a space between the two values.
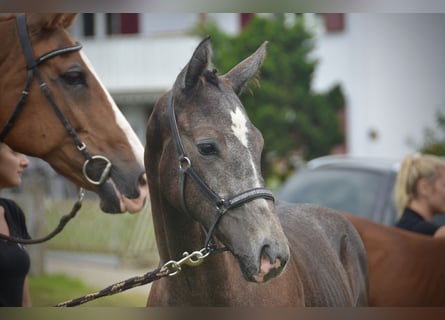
[62, 223]
[170, 268]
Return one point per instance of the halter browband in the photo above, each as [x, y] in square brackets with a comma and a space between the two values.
[185, 168]
[32, 69]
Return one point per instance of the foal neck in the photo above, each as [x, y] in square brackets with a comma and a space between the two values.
[175, 231]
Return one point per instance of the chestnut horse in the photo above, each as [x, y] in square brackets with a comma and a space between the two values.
[54, 107]
[217, 198]
[406, 269]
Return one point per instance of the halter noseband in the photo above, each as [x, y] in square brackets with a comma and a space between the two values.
[32, 69]
[185, 168]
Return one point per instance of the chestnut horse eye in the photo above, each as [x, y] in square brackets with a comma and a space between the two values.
[74, 78]
[207, 148]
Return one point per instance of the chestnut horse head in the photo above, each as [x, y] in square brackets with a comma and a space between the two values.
[202, 125]
[54, 107]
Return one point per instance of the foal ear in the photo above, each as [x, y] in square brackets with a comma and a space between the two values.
[198, 63]
[51, 21]
[239, 75]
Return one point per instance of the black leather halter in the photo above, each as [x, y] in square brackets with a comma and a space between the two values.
[185, 168]
[33, 71]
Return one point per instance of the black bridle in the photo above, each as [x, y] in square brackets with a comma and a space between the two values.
[32, 68]
[222, 205]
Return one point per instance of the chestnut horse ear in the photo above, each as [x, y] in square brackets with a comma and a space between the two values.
[50, 21]
[239, 75]
[67, 19]
[198, 63]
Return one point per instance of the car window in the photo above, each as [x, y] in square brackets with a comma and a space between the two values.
[355, 191]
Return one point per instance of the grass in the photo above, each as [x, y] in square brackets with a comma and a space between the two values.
[49, 290]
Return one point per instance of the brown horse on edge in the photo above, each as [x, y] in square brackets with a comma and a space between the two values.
[406, 269]
[278, 254]
[54, 107]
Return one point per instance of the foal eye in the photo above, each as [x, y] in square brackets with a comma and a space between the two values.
[74, 78]
[207, 148]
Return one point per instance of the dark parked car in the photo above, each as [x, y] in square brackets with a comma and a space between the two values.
[359, 186]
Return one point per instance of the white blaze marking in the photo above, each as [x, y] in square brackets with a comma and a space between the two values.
[240, 130]
[133, 140]
[239, 126]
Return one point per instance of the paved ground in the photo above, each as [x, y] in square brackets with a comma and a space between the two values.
[97, 270]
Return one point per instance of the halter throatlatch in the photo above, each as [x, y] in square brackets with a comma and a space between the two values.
[32, 69]
[186, 169]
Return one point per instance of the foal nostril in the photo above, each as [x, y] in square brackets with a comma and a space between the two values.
[272, 257]
[265, 253]
[268, 259]
[271, 265]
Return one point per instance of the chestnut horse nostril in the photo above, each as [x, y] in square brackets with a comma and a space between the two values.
[142, 180]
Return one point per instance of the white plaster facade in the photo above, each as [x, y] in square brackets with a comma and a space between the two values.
[392, 70]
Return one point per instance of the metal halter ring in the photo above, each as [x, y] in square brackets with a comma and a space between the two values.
[185, 163]
[105, 173]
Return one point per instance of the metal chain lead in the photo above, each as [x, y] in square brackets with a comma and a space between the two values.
[170, 268]
[193, 259]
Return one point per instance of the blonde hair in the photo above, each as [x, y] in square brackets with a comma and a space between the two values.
[413, 168]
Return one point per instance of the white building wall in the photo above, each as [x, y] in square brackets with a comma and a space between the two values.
[162, 23]
[150, 60]
[139, 64]
[392, 71]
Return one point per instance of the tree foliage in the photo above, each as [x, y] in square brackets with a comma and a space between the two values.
[291, 116]
[434, 139]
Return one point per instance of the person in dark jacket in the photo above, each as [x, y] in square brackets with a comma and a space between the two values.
[14, 259]
[420, 194]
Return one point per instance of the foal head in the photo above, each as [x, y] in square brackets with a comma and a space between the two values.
[223, 148]
[39, 49]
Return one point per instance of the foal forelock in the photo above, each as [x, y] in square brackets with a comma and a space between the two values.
[133, 140]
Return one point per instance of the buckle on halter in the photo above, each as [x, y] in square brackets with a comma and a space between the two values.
[222, 206]
[105, 173]
[81, 146]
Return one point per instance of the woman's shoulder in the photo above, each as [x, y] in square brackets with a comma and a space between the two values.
[413, 221]
[11, 207]
[16, 218]
[9, 203]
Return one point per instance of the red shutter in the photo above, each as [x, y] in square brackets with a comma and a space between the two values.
[129, 23]
[245, 19]
[334, 22]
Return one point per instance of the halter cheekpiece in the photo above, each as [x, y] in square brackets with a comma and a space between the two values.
[32, 71]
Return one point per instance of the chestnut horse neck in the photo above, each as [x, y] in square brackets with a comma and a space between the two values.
[32, 64]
